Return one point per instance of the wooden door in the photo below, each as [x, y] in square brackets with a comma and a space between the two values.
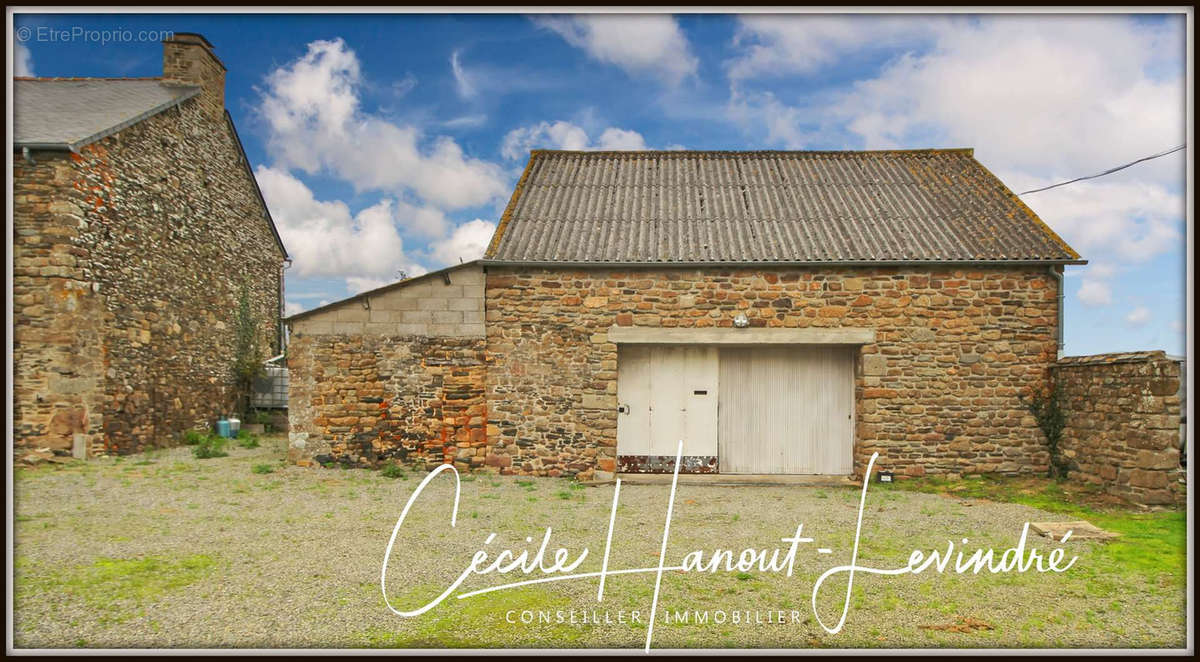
[786, 410]
[666, 393]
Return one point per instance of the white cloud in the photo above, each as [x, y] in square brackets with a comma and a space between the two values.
[466, 243]
[773, 45]
[1128, 220]
[638, 43]
[466, 89]
[22, 60]
[1095, 293]
[1030, 93]
[405, 85]
[1139, 316]
[619, 139]
[324, 238]
[465, 121]
[565, 135]
[358, 284]
[557, 135]
[782, 123]
[312, 110]
[291, 308]
[421, 220]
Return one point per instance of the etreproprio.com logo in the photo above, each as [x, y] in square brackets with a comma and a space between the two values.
[79, 33]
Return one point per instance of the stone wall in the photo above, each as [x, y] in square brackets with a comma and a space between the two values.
[128, 257]
[1123, 423]
[59, 361]
[363, 400]
[937, 393]
[393, 374]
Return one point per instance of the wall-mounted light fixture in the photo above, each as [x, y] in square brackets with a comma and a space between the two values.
[366, 302]
[741, 321]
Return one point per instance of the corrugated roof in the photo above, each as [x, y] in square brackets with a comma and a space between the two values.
[748, 207]
[67, 113]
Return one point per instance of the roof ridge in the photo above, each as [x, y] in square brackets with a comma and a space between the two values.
[969, 151]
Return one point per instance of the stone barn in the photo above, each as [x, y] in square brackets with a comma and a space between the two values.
[136, 223]
[780, 312]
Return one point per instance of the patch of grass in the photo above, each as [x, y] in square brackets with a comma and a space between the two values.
[109, 583]
[393, 470]
[193, 437]
[212, 446]
[246, 440]
[1152, 544]
[262, 469]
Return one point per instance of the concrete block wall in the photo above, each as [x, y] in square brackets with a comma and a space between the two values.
[423, 306]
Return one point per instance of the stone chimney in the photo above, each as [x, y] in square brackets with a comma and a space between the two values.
[188, 60]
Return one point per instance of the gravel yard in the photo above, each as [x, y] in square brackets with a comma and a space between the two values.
[164, 550]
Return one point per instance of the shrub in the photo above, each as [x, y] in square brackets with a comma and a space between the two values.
[246, 440]
[262, 469]
[392, 470]
[1045, 403]
[248, 350]
[193, 437]
[209, 447]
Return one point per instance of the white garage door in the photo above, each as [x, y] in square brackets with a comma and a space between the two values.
[759, 410]
[786, 410]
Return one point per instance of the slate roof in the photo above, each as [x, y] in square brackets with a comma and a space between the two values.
[68, 113]
[683, 207]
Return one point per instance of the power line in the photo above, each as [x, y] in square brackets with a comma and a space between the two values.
[1106, 172]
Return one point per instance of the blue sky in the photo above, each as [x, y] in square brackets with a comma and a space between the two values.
[389, 143]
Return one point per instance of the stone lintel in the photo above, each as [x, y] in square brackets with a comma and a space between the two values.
[733, 336]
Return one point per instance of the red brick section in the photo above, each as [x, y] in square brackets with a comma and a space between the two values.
[936, 394]
[1123, 424]
[365, 400]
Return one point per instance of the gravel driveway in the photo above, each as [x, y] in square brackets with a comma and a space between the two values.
[164, 550]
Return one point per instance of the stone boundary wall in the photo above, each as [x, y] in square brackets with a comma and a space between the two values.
[1123, 423]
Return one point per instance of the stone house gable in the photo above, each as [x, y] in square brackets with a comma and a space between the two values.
[129, 253]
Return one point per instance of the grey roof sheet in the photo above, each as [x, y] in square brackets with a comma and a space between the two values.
[745, 207]
[67, 113]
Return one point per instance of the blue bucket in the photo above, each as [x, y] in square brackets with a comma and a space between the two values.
[223, 428]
